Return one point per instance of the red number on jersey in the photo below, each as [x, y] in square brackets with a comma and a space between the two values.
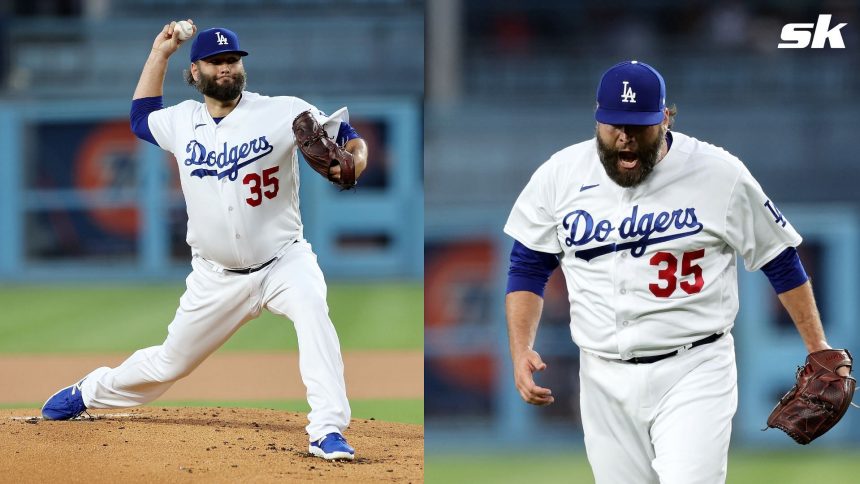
[253, 180]
[687, 269]
[667, 273]
[269, 180]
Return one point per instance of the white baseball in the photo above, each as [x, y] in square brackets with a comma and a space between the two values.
[183, 29]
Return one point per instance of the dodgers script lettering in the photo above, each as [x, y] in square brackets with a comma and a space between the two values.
[582, 229]
[232, 158]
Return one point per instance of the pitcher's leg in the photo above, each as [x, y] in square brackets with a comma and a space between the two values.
[296, 289]
[694, 422]
[616, 434]
[213, 307]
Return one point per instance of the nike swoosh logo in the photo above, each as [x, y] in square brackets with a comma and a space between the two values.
[199, 125]
[588, 187]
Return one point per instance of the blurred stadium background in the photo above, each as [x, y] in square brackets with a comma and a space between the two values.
[92, 220]
[508, 84]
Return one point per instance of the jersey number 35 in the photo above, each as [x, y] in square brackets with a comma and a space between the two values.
[667, 273]
[269, 181]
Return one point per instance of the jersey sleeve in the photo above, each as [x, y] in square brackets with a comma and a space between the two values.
[299, 106]
[141, 108]
[531, 221]
[163, 129]
[754, 225]
[530, 270]
[336, 125]
[346, 133]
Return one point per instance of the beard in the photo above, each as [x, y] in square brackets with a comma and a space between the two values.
[647, 157]
[224, 92]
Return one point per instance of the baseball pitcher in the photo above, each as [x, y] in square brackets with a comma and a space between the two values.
[237, 162]
[646, 224]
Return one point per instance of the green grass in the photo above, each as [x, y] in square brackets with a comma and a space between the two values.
[794, 467]
[507, 468]
[390, 410]
[87, 319]
[745, 467]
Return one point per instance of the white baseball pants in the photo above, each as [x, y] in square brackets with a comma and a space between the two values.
[214, 306]
[666, 422]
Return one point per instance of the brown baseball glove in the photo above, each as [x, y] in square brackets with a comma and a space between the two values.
[321, 152]
[819, 398]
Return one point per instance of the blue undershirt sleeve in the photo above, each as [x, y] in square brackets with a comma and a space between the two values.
[530, 269]
[785, 272]
[140, 110]
[345, 133]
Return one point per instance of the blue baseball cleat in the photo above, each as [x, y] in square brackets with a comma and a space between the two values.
[66, 404]
[332, 446]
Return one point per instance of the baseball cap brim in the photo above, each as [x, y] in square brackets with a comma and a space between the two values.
[634, 118]
[225, 51]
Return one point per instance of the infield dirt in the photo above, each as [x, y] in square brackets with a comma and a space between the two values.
[152, 444]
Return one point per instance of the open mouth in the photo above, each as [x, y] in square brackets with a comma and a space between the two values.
[628, 159]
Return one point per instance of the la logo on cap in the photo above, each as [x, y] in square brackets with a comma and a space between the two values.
[221, 39]
[627, 94]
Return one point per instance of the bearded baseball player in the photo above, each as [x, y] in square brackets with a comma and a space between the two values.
[237, 161]
[646, 224]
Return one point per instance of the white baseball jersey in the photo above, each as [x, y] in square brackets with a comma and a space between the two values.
[240, 177]
[650, 268]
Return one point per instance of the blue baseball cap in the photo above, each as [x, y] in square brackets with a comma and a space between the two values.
[631, 92]
[214, 41]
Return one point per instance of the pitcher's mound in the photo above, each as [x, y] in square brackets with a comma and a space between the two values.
[152, 444]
